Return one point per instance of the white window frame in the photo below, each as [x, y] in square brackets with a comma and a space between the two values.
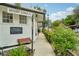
[22, 19]
[7, 17]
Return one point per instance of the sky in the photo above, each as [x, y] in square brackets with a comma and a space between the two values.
[56, 11]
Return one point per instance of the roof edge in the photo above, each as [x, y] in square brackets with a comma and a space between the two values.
[21, 8]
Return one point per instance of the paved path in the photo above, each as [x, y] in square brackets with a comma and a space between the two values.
[42, 47]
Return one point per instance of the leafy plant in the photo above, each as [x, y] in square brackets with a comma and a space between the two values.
[20, 51]
[56, 23]
[69, 20]
[47, 35]
[63, 39]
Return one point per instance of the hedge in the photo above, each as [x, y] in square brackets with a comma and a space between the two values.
[62, 39]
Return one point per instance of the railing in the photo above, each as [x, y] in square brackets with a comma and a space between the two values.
[6, 47]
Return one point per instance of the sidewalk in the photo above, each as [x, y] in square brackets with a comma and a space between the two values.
[42, 47]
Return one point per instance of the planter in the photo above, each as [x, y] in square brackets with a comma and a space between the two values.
[18, 52]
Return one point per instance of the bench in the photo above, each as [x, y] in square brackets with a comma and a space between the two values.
[24, 40]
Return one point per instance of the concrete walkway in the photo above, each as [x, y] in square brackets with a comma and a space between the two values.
[42, 47]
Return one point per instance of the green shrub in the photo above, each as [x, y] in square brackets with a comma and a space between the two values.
[48, 35]
[63, 39]
[56, 23]
[20, 51]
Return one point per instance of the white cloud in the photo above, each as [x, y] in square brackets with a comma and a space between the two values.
[70, 9]
[61, 14]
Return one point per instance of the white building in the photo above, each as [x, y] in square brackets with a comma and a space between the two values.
[16, 23]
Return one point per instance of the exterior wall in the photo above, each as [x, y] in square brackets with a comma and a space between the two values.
[39, 17]
[35, 29]
[7, 39]
[0, 29]
[39, 20]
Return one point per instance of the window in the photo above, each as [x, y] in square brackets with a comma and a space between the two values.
[23, 19]
[7, 17]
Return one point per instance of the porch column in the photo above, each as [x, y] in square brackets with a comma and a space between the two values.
[32, 33]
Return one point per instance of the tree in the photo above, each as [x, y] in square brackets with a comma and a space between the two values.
[47, 23]
[76, 10]
[18, 4]
[38, 8]
[72, 19]
[76, 13]
[69, 20]
[56, 23]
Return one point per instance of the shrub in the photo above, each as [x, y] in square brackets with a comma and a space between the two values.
[56, 23]
[63, 39]
[20, 51]
[47, 35]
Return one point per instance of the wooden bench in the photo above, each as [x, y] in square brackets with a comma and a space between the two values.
[24, 40]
